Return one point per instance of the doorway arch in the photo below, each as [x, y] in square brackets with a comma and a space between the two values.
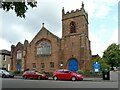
[73, 65]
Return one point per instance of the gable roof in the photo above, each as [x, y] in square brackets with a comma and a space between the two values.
[95, 56]
[19, 44]
[43, 29]
[5, 52]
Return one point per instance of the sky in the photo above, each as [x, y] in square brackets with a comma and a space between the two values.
[102, 17]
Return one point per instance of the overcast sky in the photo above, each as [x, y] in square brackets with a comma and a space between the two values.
[103, 22]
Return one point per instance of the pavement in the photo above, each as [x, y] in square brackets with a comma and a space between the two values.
[85, 79]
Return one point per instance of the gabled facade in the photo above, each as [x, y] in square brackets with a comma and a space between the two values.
[47, 52]
[5, 58]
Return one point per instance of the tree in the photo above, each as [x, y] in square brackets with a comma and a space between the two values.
[20, 8]
[112, 55]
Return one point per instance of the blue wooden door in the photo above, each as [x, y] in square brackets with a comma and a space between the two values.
[73, 65]
[18, 67]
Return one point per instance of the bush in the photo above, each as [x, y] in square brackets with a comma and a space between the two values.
[89, 73]
[17, 72]
[80, 72]
[49, 73]
[88, 70]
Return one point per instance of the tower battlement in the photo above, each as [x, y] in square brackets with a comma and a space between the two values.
[74, 13]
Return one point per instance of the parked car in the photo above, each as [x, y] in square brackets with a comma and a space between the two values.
[34, 74]
[6, 74]
[64, 74]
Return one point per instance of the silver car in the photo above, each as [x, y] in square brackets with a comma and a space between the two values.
[6, 74]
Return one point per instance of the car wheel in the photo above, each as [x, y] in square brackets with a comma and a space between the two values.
[73, 78]
[24, 77]
[55, 77]
[3, 76]
[39, 78]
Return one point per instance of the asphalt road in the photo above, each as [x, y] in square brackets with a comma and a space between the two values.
[86, 83]
[20, 83]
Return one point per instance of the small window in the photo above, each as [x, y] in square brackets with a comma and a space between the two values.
[34, 65]
[19, 54]
[51, 64]
[42, 65]
[72, 27]
[4, 57]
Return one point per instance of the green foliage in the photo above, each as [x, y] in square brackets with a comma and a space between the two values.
[112, 55]
[20, 8]
[80, 72]
[17, 72]
[49, 73]
[88, 70]
[89, 73]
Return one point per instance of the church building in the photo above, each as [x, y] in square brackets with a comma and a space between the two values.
[47, 52]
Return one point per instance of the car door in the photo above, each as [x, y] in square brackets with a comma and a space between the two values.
[67, 75]
[32, 74]
[60, 74]
[36, 74]
[29, 74]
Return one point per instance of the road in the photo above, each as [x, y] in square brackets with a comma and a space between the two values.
[18, 83]
[86, 83]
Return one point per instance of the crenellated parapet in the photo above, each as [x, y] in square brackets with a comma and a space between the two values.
[74, 13]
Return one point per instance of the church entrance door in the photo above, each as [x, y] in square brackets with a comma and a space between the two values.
[73, 65]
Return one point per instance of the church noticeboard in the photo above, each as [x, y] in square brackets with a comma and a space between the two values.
[96, 67]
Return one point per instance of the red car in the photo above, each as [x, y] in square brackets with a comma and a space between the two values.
[64, 74]
[34, 74]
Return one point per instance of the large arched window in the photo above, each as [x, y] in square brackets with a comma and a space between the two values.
[44, 48]
[19, 54]
[72, 27]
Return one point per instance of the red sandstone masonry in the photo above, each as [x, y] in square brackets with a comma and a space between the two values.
[63, 49]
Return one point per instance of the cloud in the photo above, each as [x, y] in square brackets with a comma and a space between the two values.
[96, 45]
[5, 44]
[107, 2]
[102, 8]
[102, 39]
[21, 31]
[114, 37]
[102, 11]
[15, 29]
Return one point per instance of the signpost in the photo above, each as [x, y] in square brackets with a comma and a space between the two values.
[96, 67]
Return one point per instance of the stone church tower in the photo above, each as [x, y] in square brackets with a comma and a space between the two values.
[47, 52]
[76, 53]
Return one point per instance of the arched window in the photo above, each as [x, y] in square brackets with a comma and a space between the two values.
[19, 54]
[44, 48]
[72, 27]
